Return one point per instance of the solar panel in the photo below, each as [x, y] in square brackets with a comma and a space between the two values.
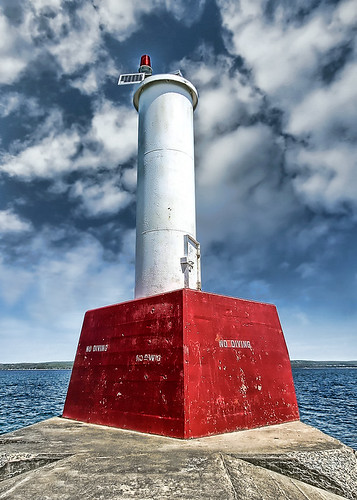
[131, 78]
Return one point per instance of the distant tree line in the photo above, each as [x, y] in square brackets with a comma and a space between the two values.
[300, 363]
[68, 365]
[52, 365]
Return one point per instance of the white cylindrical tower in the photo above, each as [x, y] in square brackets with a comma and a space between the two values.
[167, 253]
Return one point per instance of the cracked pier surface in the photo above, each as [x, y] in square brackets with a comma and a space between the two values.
[63, 459]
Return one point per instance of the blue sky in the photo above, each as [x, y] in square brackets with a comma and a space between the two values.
[276, 173]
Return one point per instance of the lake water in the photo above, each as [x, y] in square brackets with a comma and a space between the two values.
[327, 399]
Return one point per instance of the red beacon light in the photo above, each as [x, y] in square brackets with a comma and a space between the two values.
[145, 65]
[145, 60]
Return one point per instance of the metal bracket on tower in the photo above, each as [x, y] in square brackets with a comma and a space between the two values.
[187, 265]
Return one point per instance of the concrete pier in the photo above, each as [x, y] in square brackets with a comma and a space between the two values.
[63, 459]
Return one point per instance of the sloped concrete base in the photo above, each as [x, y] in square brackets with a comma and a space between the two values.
[63, 459]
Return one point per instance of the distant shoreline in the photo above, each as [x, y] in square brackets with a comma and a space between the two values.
[68, 365]
[51, 365]
[300, 363]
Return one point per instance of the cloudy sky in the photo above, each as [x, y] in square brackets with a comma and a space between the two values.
[276, 173]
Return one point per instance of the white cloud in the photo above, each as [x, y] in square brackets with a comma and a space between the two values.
[226, 97]
[346, 13]
[327, 110]
[111, 139]
[123, 18]
[14, 282]
[238, 191]
[302, 237]
[54, 5]
[114, 128]
[12, 223]
[98, 199]
[49, 157]
[129, 176]
[185, 11]
[55, 291]
[307, 269]
[77, 39]
[327, 168]
[327, 177]
[13, 102]
[15, 49]
[240, 197]
[9, 103]
[238, 155]
[74, 37]
[233, 156]
[284, 56]
[53, 150]
[92, 80]
[87, 84]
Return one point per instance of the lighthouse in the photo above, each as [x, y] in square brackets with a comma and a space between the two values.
[167, 252]
[175, 360]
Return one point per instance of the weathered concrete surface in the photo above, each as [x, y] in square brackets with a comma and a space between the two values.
[63, 459]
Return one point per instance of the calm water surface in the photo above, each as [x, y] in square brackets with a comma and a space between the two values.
[29, 396]
[327, 398]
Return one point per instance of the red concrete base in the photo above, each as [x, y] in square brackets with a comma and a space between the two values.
[183, 364]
